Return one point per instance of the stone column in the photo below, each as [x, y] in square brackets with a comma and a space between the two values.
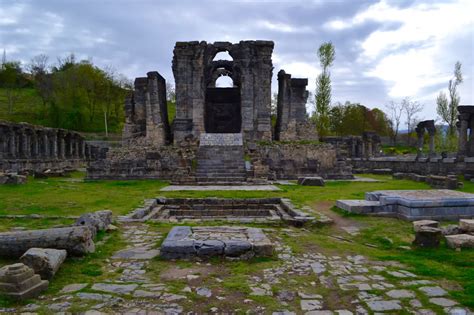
[369, 148]
[13, 145]
[420, 132]
[34, 145]
[432, 142]
[25, 145]
[61, 147]
[54, 145]
[463, 126]
[82, 152]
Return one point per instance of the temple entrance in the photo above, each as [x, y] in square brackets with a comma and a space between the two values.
[223, 113]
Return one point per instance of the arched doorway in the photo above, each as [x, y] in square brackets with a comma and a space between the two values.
[223, 106]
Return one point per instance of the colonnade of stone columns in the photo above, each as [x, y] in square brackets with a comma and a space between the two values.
[370, 146]
[25, 141]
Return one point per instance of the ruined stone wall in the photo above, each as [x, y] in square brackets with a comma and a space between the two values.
[366, 146]
[251, 69]
[25, 147]
[290, 161]
[146, 112]
[292, 120]
[422, 166]
[142, 160]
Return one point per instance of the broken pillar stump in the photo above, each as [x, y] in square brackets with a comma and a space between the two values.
[428, 237]
[44, 261]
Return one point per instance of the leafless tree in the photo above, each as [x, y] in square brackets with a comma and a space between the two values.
[170, 92]
[411, 109]
[394, 111]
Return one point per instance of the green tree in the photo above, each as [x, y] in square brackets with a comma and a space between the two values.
[326, 55]
[11, 82]
[448, 110]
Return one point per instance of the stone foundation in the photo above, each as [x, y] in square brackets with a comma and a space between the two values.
[262, 210]
[184, 242]
[414, 205]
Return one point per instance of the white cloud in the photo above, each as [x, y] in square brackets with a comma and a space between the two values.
[282, 27]
[408, 56]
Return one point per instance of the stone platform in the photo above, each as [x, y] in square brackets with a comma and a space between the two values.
[220, 187]
[437, 204]
[245, 210]
[184, 242]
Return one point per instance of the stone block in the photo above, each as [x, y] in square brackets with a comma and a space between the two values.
[422, 223]
[460, 241]
[19, 282]
[427, 236]
[311, 181]
[96, 221]
[466, 226]
[44, 261]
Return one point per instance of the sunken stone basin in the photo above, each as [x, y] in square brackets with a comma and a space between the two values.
[185, 242]
[244, 210]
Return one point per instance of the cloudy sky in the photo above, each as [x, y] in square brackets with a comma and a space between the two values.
[385, 50]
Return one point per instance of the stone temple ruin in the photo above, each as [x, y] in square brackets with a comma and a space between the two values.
[220, 135]
[25, 147]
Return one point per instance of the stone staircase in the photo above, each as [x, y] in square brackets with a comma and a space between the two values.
[221, 159]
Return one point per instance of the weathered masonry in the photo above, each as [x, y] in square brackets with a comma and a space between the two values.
[28, 147]
[466, 131]
[292, 121]
[219, 134]
[204, 108]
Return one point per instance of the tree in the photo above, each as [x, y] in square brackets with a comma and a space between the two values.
[395, 111]
[11, 80]
[326, 54]
[38, 67]
[411, 108]
[448, 110]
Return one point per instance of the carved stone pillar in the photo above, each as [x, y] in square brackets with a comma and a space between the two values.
[54, 145]
[61, 147]
[13, 145]
[432, 142]
[82, 153]
[25, 145]
[34, 145]
[420, 132]
[463, 126]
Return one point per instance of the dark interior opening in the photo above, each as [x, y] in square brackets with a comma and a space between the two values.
[223, 113]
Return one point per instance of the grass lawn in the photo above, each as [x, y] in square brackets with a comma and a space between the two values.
[379, 238]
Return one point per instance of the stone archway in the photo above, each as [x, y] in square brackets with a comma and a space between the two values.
[222, 104]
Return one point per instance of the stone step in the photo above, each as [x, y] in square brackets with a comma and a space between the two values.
[226, 179]
[360, 206]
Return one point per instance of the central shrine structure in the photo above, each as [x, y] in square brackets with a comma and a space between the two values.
[220, 134]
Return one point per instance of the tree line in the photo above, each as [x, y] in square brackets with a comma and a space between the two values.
[353, 119]
[72, 94]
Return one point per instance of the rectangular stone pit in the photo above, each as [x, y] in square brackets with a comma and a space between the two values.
[412, 205]
[185, 242]
[262, 210]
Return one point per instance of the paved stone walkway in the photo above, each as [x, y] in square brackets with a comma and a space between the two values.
[333, 285]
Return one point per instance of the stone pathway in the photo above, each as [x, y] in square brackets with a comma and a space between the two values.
[306, 283]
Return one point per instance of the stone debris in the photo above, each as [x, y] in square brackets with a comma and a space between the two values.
[20, 282]
[311, 181]
[114, 288]
[44, 261]
[76, 240]
[96, 221]
[426, 236]
[466, 226]
[422, 223]
[460, 241]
